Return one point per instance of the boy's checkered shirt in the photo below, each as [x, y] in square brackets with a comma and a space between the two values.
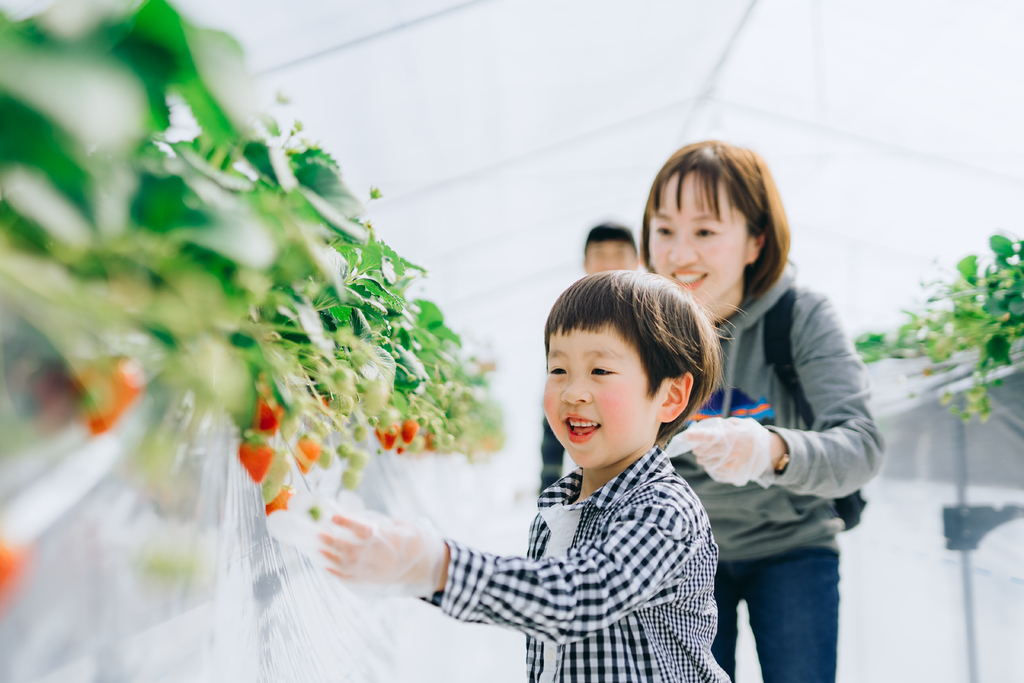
[633, 600]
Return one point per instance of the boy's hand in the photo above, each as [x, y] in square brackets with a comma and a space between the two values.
[382, 550]
[733, 451]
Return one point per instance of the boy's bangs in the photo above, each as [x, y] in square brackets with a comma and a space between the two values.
[592, 309]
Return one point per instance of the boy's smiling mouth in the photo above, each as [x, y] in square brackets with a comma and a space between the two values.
[580, 430]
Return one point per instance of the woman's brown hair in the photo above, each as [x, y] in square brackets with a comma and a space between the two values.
[749, 186]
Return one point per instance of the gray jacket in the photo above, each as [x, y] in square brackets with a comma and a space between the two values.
[837, 455]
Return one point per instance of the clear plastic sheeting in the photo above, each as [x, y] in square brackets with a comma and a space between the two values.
[901, 599]
[132, 587]
[922, 436]
[903, 616]
[134, 576]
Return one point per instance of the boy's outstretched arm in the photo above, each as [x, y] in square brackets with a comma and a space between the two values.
[564, 599]
[561, 599]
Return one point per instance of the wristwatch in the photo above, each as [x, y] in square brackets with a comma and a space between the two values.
[783, 463]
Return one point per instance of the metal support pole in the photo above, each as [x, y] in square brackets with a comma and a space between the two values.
[965, 564]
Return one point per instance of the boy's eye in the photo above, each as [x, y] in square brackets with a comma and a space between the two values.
[557, 371]
[599, 371]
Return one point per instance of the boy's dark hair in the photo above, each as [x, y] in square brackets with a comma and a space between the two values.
[610, 232]
[670, 331]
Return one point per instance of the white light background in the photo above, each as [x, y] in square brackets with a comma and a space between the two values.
[500, 131]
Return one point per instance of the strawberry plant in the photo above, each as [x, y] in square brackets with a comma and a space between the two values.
[233, 268]
[980, 310]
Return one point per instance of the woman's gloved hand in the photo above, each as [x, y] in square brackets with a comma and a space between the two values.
[379, 550]
[735, 450]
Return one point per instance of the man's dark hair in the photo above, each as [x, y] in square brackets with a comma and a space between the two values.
[610, 232]
[670, 331]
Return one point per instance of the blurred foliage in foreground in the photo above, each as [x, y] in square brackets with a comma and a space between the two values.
[980, 311]
[227, 269]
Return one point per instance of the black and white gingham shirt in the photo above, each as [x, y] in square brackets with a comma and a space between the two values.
[633, 600]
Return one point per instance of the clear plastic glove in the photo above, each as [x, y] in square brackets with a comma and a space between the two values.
[371, 548]
[308, 515]
[735, 450]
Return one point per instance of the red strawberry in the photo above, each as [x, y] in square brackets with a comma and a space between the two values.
[267, 419]
[280, 501]
[256, 459]
[309, 453]
[400, 450]
[410, 428]
[387, 438]
[109, 394]
[12, 568]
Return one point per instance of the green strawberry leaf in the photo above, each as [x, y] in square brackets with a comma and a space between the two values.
[1001, 246]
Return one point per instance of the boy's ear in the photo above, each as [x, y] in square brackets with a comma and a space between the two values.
[676, 397]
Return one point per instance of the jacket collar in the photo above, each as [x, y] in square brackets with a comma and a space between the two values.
[651, 465]
[752, 310]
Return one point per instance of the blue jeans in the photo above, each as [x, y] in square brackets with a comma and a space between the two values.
[793, 602]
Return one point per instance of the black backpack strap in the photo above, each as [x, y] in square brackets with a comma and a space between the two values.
[778, 352]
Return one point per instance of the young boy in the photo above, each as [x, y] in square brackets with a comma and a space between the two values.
[609, 246]
[618, 585]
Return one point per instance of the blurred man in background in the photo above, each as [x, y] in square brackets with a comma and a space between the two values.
[609, 246]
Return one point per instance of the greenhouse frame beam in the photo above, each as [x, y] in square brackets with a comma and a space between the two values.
[370, 37]
[861, 138]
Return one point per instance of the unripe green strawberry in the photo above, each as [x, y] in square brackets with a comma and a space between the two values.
[359, 432]
[351, 479]
[375, 396]
[391, 416]
[326, 458]
[417, 444]
[275, 477]
[346, 404]
[344, 381]
[360, 357]
[357, 459]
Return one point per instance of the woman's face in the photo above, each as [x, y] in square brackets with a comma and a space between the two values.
[705, 254]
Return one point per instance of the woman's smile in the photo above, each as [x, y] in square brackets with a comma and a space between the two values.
[690, 280]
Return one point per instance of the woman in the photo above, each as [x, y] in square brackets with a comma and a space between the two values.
[715, 223]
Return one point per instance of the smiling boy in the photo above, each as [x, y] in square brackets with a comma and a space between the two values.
[618, 585]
